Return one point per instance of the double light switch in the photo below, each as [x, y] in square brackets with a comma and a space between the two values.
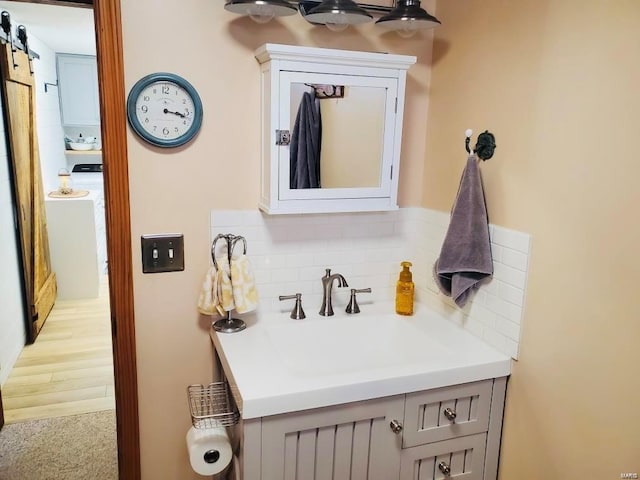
[162, 253]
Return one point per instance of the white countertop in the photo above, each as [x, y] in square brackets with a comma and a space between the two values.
[328, 365]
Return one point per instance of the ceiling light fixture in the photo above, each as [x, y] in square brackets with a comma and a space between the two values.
[338, 14]
[406, 16]
[261, 11]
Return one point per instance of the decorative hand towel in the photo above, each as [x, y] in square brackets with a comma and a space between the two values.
[208, 300]
[225, 290]
[465, 258]
[245, 295]
[216, 295]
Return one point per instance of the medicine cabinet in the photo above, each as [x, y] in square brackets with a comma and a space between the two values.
[331, 129]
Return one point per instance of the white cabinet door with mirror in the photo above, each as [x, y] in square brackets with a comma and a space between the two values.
[331, 129]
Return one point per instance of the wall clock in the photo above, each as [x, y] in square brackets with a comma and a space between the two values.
[164, 110]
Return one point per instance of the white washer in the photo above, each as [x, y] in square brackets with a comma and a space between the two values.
[88, 176]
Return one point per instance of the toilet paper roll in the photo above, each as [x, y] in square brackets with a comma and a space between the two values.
[209, 450]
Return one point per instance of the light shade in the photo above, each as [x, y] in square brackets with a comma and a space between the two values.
[261, 8]
[408, 16]
[338, 12]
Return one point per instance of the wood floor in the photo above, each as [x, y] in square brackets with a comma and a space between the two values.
[69, 368]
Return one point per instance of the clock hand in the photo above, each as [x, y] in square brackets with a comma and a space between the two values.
[175, 113]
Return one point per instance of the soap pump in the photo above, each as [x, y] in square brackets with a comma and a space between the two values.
[404, 291]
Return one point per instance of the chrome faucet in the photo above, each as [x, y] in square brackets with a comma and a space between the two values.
[327, 285]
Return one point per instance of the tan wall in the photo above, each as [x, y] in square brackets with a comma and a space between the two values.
[557, 83]
[174, 190]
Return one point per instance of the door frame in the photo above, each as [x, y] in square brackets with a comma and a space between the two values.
[108, 29]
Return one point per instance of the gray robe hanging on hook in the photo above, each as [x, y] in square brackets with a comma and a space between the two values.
[306, 142]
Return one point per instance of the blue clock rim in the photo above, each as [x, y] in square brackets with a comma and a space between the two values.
[143, 83]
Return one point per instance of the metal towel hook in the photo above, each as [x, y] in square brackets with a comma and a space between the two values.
[485, 146]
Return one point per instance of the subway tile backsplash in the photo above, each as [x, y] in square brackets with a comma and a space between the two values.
[289, 254]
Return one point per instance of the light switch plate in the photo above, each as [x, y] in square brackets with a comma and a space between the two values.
[162, 252]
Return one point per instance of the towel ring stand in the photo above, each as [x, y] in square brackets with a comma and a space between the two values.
[485, 146]
[231, 244]
[229, 324]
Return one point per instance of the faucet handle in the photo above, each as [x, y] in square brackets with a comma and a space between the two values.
[353, 303]
[297, 313]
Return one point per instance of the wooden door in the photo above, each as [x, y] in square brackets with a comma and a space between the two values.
[19, 105]
[1, 412]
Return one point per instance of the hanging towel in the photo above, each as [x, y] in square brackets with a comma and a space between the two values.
[245, 295]
[208, 300]
[306, 140]
[465, 258]
[225, 289]
[216, 295]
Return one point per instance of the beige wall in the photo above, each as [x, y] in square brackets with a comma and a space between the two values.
[557, 83]
[174, 190]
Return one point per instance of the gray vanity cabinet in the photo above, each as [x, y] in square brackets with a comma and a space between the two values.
[450, 432]
[351, 441]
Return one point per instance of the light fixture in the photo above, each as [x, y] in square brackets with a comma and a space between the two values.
[261, 11]
[338, 14]
[407, 18]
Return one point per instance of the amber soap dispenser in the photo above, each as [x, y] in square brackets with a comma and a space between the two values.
[404, 291]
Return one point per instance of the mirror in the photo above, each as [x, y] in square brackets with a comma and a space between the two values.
[331, 129]
[336, 141]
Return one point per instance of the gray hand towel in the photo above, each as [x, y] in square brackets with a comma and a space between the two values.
[465, 258]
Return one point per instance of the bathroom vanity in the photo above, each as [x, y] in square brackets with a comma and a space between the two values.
[365, 396]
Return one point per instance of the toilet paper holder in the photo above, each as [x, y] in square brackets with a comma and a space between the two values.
[212, 405]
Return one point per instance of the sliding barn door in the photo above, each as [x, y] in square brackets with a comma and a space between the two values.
[20, 116]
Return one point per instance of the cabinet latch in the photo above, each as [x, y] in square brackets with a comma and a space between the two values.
[283, 137]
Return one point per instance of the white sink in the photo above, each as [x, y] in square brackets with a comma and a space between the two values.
[330, 346]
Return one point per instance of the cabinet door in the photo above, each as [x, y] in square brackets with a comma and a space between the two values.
[78, 90]
[458, 458]
[345, 442]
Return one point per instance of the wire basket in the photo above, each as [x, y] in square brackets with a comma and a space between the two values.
[211, 405]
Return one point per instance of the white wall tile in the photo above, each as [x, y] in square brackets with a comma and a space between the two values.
[289, 254]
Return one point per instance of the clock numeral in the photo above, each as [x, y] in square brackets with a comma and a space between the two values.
[144, 108]
[176, 129]
[165, 130]
[155, 128]
[184, 101]
[146, 98]
[184, 122]
[165, 89]
[146, 120]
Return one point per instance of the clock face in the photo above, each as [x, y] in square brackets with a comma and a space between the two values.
[164, 109]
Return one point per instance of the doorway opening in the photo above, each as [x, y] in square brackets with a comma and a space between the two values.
[67, 368]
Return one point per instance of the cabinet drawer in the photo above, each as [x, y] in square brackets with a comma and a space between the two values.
[458, 458]
[429, 415]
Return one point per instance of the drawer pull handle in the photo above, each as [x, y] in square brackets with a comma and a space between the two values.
[450, 414]
[444, 468]
[396, 426]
